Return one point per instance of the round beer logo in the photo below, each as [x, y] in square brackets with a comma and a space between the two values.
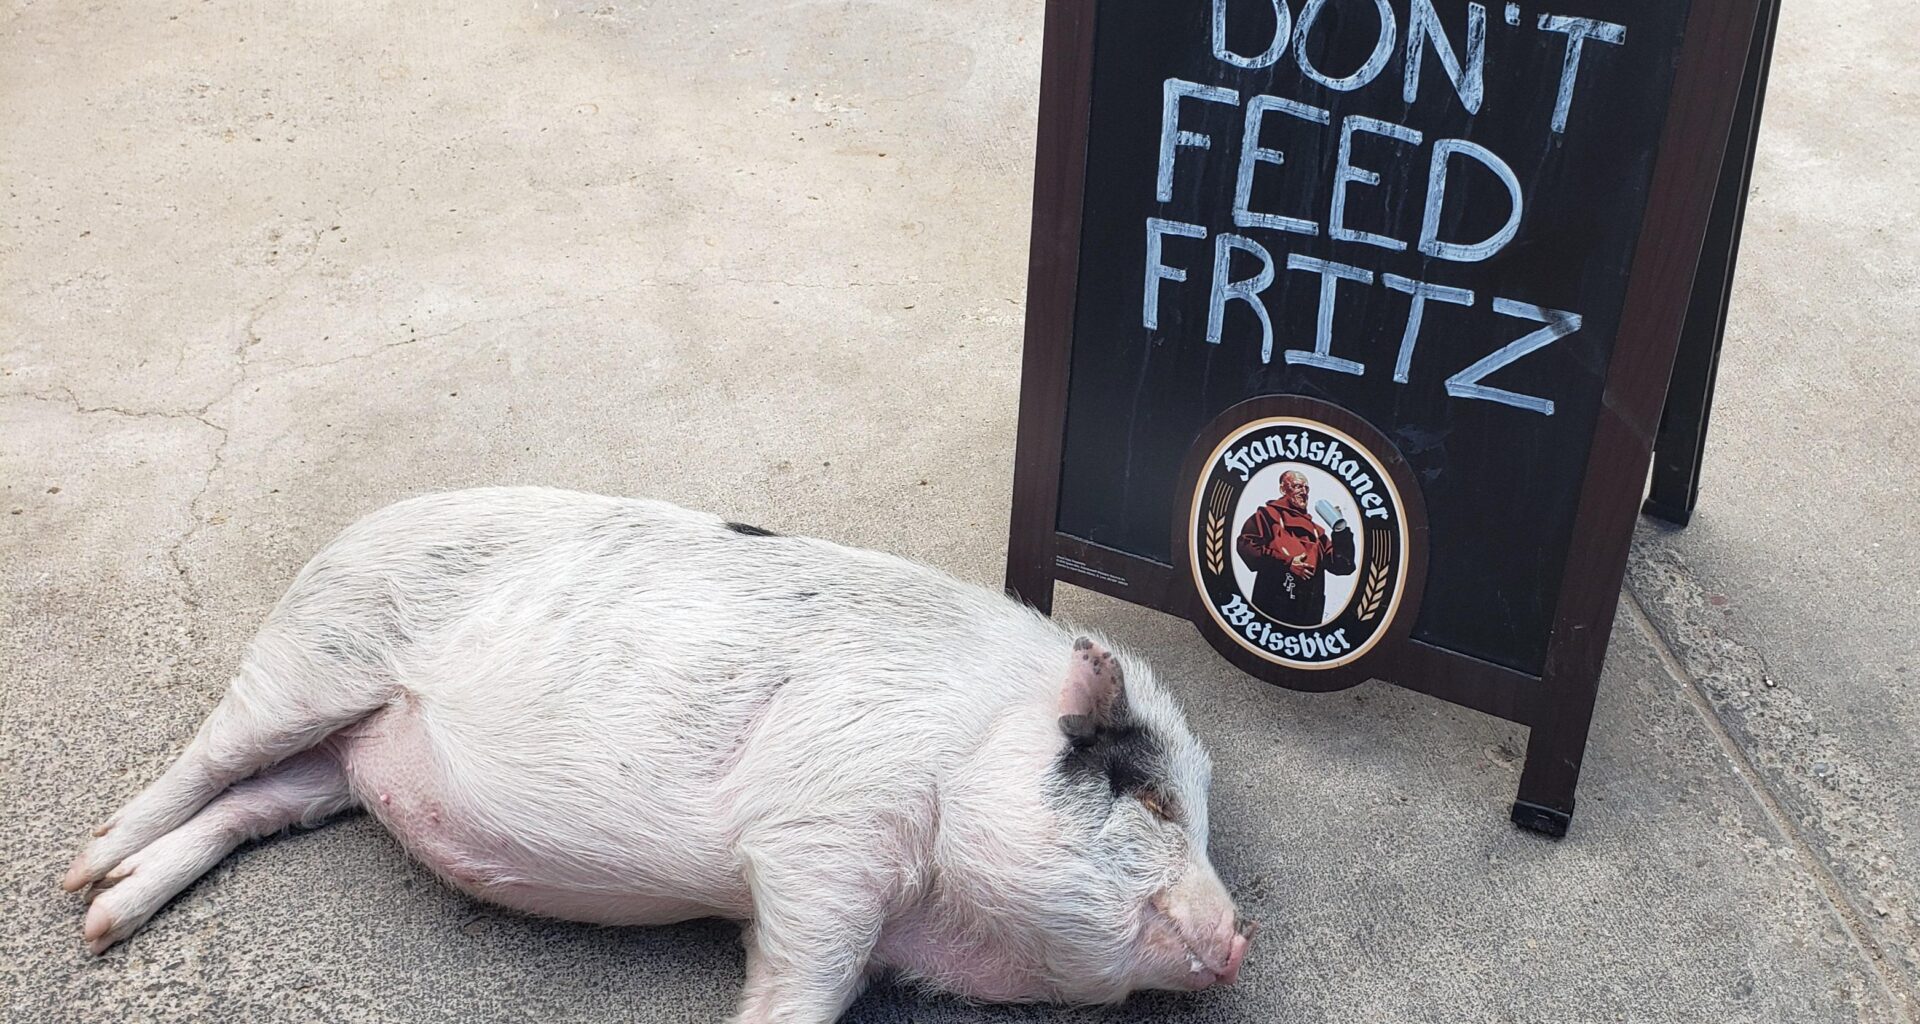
[1299, 542]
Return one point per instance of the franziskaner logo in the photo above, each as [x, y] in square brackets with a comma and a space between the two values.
[1299, 542]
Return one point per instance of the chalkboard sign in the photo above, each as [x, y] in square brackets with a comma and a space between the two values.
[1350, 324]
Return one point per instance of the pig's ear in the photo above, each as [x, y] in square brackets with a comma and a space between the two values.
[1094, 697]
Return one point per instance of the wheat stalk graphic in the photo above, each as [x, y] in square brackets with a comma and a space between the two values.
[1374, 592]
[1216, 532]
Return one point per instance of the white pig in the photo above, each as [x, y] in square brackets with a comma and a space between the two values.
[624, 712]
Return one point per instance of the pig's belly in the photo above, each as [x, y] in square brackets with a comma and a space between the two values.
[524, 842]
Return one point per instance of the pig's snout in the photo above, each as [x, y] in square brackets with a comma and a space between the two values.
[1220, 964]
[1208, 931]
[1243, 933]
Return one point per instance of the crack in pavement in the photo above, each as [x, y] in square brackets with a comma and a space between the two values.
[1818, 794]
[196, 521]
[464, 325]
[203, 414]
[67, 397]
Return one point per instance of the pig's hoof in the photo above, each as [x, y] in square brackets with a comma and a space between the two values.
[137, 887]
[78, 874]
[116, 911]
[112, 879]
[94, 862]
[103, 926]
[107, 851]
[1096, 658]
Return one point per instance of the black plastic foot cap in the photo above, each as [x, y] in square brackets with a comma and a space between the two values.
[1675, 514]
[1544, 820]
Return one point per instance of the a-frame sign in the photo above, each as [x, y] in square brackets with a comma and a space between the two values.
[1351, 325]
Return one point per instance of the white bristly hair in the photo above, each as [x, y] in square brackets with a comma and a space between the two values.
[626, 712]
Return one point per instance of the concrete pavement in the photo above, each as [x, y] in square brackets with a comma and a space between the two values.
[269, 268]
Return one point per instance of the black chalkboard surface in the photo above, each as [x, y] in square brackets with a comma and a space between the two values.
[1463, 230]
[1501, 478]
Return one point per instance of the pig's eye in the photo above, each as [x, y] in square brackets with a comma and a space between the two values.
[1156, 803]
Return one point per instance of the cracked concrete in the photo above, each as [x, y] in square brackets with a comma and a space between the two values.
[266, 271]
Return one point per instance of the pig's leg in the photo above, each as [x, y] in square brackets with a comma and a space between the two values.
[820, 899]
[769, 997]
[263, 719]
[814, 985]
[306, 789]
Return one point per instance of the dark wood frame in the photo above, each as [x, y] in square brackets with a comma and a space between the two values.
[1675, 305]
[1678, 451]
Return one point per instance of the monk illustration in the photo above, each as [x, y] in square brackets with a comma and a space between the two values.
[1289, 553]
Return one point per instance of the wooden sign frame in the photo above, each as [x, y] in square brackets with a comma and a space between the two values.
[1663, 361]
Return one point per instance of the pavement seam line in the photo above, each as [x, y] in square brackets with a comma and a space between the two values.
[1900, 993]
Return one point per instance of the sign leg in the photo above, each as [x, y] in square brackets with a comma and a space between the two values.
[1053, 269]
[1545, 803]
[1683, 424]
[1030, 582]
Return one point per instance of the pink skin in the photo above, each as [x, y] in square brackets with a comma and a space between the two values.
[381, 758]
[1192, 922]
[1037, 897]
[1188, 925]
[1230, 943]
[305, 788]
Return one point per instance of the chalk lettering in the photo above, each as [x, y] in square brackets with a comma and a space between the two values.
[1251, 152]
[1578, 31]
[1172, 136]
[1282, 28]
[1157, 270]
[1376, 62]
[1430, 242]
[1331, 274]
[1421, 292]
[1347, 174]
[1466, 383]
[1468, 76]
[1246, 290]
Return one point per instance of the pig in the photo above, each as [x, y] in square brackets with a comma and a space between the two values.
[624, 712]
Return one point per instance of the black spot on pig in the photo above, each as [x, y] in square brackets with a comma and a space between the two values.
[618, 528]
[751, 531]
[1124, 758]
[448, 561]
[460, 559]
[387, 619]
[347, 647]
[562, 609]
